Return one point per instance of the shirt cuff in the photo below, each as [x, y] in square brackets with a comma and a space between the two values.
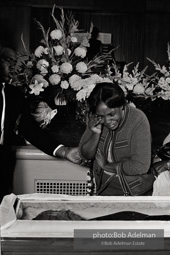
[59, 146]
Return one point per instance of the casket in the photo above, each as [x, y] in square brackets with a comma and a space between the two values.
[37, 172]
[97, 225]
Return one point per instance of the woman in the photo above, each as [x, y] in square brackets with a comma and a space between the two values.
[117, 137]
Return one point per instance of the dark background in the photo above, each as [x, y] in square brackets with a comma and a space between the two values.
[139, 27]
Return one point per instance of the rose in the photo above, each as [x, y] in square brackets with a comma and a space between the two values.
[66, 68]
[54, 79]
[56, 34]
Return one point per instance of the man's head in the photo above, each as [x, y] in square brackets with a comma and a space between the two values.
[8, 60]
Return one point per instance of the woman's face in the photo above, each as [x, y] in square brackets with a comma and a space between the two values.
[111, 117]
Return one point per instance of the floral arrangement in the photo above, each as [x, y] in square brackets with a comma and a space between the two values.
[160, 83]
[58, 67]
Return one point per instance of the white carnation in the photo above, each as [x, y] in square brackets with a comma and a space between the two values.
[64, 85]
[81, 67]
[39, 51]
[54, 79]
[80, 52]
[56, 34]
[139, 89]
[66, 68]
[74, 78]
[73, 39]
[58, 50]
[55, 68]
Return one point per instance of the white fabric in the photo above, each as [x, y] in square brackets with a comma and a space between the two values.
[167, 139]
[161, 186]
[3, 115]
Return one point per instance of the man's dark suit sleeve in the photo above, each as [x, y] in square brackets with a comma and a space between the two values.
[40, 138]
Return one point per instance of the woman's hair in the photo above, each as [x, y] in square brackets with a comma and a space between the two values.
[109, 93]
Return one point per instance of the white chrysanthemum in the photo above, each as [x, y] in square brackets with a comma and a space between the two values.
[64, 85]
[54, 79]
[96, 78]
[80, 52]
[39, 51]
[55, 68]
[56, 34]
[40, 79]
[73, 39]
[77, 85]
[139, 89]
[58, 50]
[74, 78]
[81, 67]
[66, 68]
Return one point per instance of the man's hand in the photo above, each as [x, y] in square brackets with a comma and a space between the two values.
[72, 154]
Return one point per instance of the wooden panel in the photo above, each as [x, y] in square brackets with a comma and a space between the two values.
[64, 246]
[109, 5]
[157, 36]
[158, 6]
[13, 22]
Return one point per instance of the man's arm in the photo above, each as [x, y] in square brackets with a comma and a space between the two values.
[43, 140]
